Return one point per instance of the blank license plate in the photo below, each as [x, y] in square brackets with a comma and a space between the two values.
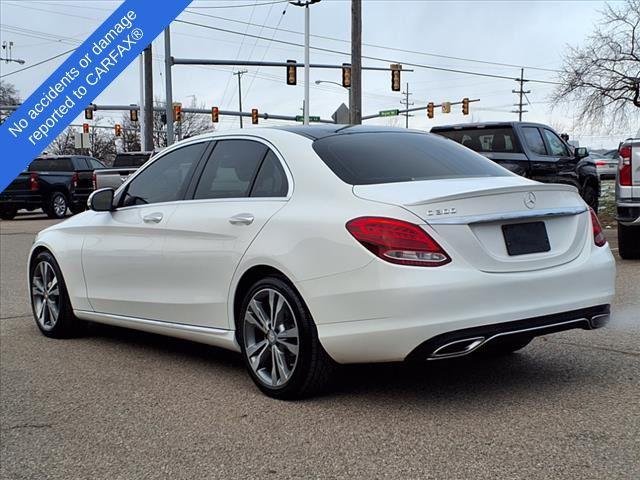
[523, 238]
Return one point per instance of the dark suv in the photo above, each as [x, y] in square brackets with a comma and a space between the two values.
[532, 150]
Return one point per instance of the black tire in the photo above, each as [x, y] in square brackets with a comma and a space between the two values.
[629, 242]
[313, 370]
[76, 209]
[504, 346]
[66, 324]
[56, 206]
[590, 196]
[8, 213]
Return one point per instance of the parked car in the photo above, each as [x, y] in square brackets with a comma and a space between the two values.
[532, 150]
[628, 199]
[606, 166]
[123, 165]
[307, 247]
[52, 183]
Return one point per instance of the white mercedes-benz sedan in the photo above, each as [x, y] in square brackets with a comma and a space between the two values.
[307, 247]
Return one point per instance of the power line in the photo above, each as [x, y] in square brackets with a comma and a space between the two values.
[244, 5]
[368, 57]
[324, 37]
[39, 63]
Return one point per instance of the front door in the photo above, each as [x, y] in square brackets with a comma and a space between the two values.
[122, 254]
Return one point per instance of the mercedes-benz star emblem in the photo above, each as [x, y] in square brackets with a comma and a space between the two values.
[530, 199]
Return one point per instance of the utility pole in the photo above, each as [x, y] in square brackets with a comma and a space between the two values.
[141, 117]
[522, 93]
[406, 103]
[169, 92]
[148, 99]
[305, 4]
[355, 99]
[6, 48]
[239, 73]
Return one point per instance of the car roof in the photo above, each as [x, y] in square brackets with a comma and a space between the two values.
[316, 132]
[461, 126]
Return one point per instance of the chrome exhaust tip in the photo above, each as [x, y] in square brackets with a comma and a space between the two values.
[599, 321]
[457, 348]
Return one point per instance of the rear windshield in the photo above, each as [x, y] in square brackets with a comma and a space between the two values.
[130, 160]
[496, 140]
[51, 165]
[387, 157]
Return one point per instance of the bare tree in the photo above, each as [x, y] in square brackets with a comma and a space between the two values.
[8, 96]
[603, 77]
[63, 144]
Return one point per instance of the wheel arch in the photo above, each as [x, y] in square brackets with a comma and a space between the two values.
[247, 279]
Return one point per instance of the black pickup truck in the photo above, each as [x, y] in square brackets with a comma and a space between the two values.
[532, 150]
[52, 183]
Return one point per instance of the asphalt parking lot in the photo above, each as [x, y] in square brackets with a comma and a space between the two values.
[119, 404]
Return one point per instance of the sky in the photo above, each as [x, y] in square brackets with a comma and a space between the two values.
[531, 34]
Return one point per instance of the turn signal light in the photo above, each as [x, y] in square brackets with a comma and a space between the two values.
[398, 242]
[625, 166]
[598, 234]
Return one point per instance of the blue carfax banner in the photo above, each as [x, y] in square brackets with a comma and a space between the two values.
[80, 79]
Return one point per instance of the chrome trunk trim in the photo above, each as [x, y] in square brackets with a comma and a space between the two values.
[505, 217]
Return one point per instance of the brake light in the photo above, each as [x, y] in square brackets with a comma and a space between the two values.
[598, 234]
[94, 181]
[624, 173]
[74, 180]
[33, 182]
[600, 163]
[398, 242]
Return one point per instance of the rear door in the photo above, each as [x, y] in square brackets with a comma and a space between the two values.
[241, 186]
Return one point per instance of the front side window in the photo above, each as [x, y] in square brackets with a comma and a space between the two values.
[534, 140]
[166, 179]
[387, 157]
[231, 169]
[556, 145]
[94, 164]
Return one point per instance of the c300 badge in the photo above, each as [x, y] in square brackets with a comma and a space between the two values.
[441, 211]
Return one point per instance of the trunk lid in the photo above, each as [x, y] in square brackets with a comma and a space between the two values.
[469, 214]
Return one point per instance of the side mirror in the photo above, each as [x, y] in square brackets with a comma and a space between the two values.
[581, 152]
[101, 200]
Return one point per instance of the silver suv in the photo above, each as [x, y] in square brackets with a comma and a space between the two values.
[628, 199]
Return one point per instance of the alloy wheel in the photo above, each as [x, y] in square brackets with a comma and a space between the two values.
[271, 337]
[59, 205]
[45, 293]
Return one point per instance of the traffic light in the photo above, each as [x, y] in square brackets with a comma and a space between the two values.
[395, 77]
[214, 114]
[292, 73]
[88, 113]
[118, 129]
[254, 116]
[430, 110]
[177, 112]
[446, 107]
[85, 128]
[346, 75]
[465, 106]
[133, 114]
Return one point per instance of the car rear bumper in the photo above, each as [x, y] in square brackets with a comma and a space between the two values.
[20, 201]
[383, 312]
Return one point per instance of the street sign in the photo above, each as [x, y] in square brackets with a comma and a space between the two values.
[81, 140]
[300, 118]
[341, 115]
[389, 113]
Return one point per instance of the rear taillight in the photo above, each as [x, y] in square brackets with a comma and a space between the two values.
[94, 181]
[74, 180]
[598, 235]
[33, 182]
[397, 241]
[624, 167]
[600, 163]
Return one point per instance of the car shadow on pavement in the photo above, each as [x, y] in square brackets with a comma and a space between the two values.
[537, 371]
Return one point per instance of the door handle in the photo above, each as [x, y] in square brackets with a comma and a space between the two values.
[241, 219]
[153, 218]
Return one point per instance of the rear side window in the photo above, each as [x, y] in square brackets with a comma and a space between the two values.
[271, 180]
[51, 165]
[484, 139]
[130, 161]
[166, 179]
[230, 170]
[534, 140]
[387, 157]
